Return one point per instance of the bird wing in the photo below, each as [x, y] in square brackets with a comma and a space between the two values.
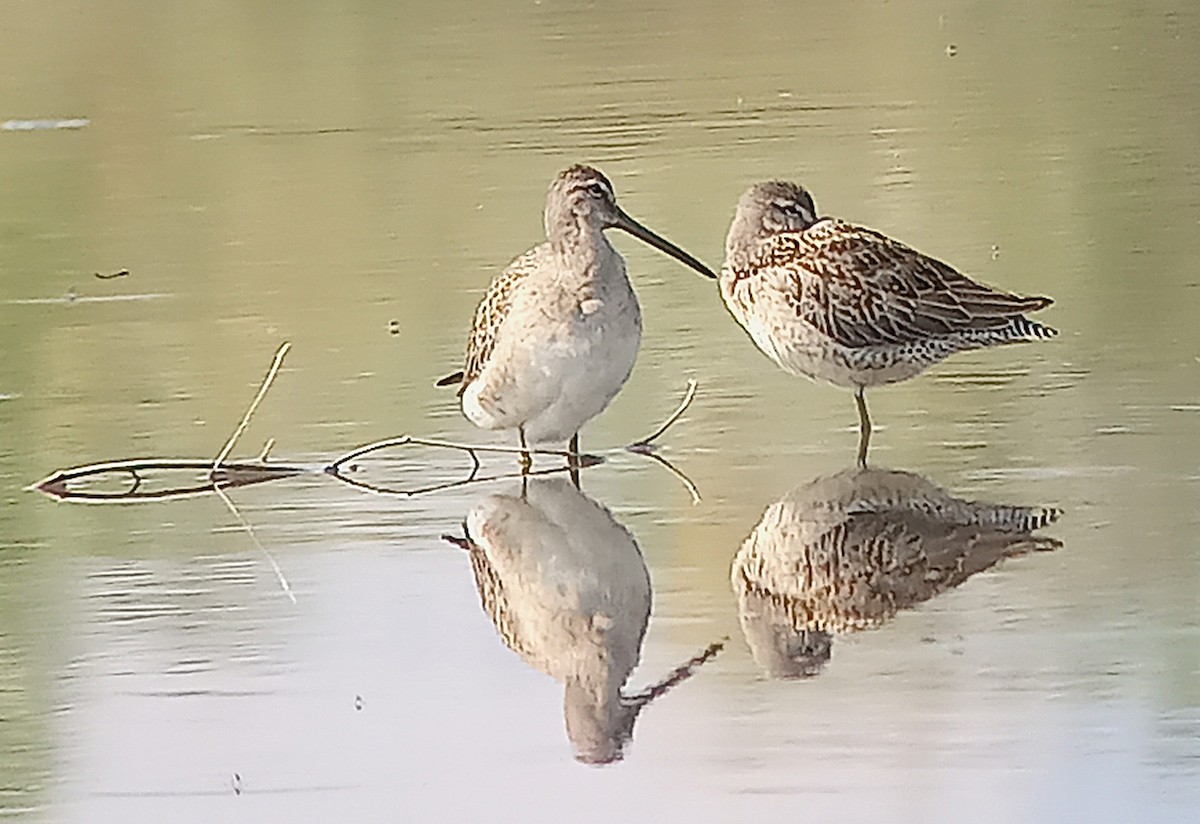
[493, 309]
[862, 288]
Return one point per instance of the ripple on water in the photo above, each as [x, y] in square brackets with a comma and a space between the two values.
[72, 298]
[45, 124]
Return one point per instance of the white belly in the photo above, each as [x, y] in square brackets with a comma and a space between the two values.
[551, 374]
[800, 349]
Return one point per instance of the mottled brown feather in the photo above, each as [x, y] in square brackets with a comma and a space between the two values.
[493, 309]
[862, 288]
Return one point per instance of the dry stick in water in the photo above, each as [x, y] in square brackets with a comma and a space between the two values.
[219, 473]
[334, 469]
[224, 453]
[262, 391]
[644, 446]
[228, 476]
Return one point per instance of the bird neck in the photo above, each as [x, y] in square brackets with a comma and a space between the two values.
[582, 250]
[741, 242]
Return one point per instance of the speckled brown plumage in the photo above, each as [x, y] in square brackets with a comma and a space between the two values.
[860, 288]
[847, 305]
[493, 309]
[557, 332]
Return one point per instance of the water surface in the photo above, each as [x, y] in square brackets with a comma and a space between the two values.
[349, 177]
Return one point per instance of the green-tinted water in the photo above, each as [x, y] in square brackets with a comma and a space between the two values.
[316, 172]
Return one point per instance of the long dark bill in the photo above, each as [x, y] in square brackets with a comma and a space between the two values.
[640, 232]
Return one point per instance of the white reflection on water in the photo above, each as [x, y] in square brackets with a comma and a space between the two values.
[73, 297]
[1059, 687]
[566, 587]
[846, 552]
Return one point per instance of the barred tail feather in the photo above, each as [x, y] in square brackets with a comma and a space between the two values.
[1022, 328]
[1018, 329]
[1009, 518]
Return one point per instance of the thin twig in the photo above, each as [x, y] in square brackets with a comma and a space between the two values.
[228, 475]
[250, 531]
[225, 476]
[262, 391]
[508, 450]
[335, 468]
[644, 445]
[405, 440]
[470, 480]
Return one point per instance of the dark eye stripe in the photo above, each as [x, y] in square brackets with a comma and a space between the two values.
[592, 187]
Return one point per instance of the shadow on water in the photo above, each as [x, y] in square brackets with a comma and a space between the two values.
[567, 589]
[846, 552]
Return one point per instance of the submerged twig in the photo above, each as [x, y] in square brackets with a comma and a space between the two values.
[644, 447]
[470, 448]
[217, 474]
[473, 478]
[209, 475]
[228, 476]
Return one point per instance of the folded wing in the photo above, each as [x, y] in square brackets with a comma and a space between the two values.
[861, 288]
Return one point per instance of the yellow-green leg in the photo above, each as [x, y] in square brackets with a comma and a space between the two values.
[526, 458]
[864, 426]
[573, 459]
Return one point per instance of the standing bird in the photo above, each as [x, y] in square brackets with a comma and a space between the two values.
[556, 335]
[845, 304]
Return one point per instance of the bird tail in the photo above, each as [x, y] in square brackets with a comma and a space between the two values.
[451, 380]
[1015, 519]
[1022, 328]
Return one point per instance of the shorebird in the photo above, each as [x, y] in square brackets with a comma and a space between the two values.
[846, 552]
[557, 333]
[845, 304]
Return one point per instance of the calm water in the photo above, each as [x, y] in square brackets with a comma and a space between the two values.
[348, 177]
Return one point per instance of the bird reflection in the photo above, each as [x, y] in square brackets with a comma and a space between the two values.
[846, 552]
[567, 589]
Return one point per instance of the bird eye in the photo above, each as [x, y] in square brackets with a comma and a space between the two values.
[597, 191]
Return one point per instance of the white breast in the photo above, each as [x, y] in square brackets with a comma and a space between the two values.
[563, 353]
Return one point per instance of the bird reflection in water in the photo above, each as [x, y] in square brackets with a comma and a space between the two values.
[567, 589]
[846, 552]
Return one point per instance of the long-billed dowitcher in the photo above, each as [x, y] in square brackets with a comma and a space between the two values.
[847, 305]
[557, 333]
